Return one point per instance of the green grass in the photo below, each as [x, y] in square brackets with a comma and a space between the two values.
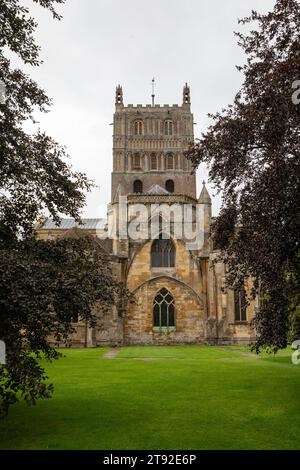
[189, 397]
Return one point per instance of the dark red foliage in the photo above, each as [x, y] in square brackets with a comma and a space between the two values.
[252, 149]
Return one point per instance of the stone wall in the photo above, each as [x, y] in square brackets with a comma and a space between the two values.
[152, 140]
[222, 326]
[184, 284]
[184, 182]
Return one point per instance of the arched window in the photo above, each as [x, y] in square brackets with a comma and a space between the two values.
[240, 305]
[162, 253]
[138, 127]
[164, 310]
[138, 187]
[136, 161]
[153, 161]
[170, 161]
[168, 127]
[170, 187]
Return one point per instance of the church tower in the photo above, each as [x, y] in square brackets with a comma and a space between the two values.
[163, 272]
[173, 271]
[148, 146]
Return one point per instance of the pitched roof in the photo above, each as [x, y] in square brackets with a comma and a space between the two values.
[156, 189]
[67, 224]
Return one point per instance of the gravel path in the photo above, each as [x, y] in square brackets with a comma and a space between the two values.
[111, 354]
[243, 353]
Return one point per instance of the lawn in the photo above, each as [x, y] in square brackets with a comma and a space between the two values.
[187, 397]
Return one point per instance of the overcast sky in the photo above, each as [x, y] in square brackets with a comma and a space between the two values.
[100, 43]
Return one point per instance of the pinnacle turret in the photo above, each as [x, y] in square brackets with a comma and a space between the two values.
[204, 196]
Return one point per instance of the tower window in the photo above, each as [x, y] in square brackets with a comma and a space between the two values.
[164, 310]
[138, 127]
[168, 127]
[138, 187]
[240, 305]
[162, 253]
[153, 161]
[170, 187]
[153, 129]
[170, 161]
[136, 161]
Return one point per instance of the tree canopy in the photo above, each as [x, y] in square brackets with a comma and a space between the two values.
[42, 283]
[252, 149]
[34, 174]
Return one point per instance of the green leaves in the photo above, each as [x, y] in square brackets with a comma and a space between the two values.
[41, 283]
[17, 28]
[34, 174]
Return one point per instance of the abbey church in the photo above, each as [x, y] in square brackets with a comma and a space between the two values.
[158, 235]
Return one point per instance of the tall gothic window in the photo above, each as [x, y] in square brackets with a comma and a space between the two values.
[153, 161]
[170, 187]
[170, 161]
[164, 310]
[138, 127]
[162, 253]
[138, 187]
[136, 161]
[240, 305]
[168, 127]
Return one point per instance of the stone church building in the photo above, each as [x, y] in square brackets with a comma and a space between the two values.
[158, 235]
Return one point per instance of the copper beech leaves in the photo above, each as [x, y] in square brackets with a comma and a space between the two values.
[252, 149]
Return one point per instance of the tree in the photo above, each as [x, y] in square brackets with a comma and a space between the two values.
[252, 150]
[34, 174]
[42, 283]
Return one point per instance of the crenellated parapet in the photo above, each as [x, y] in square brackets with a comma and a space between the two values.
[149, 142]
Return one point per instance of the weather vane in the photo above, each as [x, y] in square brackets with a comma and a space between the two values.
[153, 90]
